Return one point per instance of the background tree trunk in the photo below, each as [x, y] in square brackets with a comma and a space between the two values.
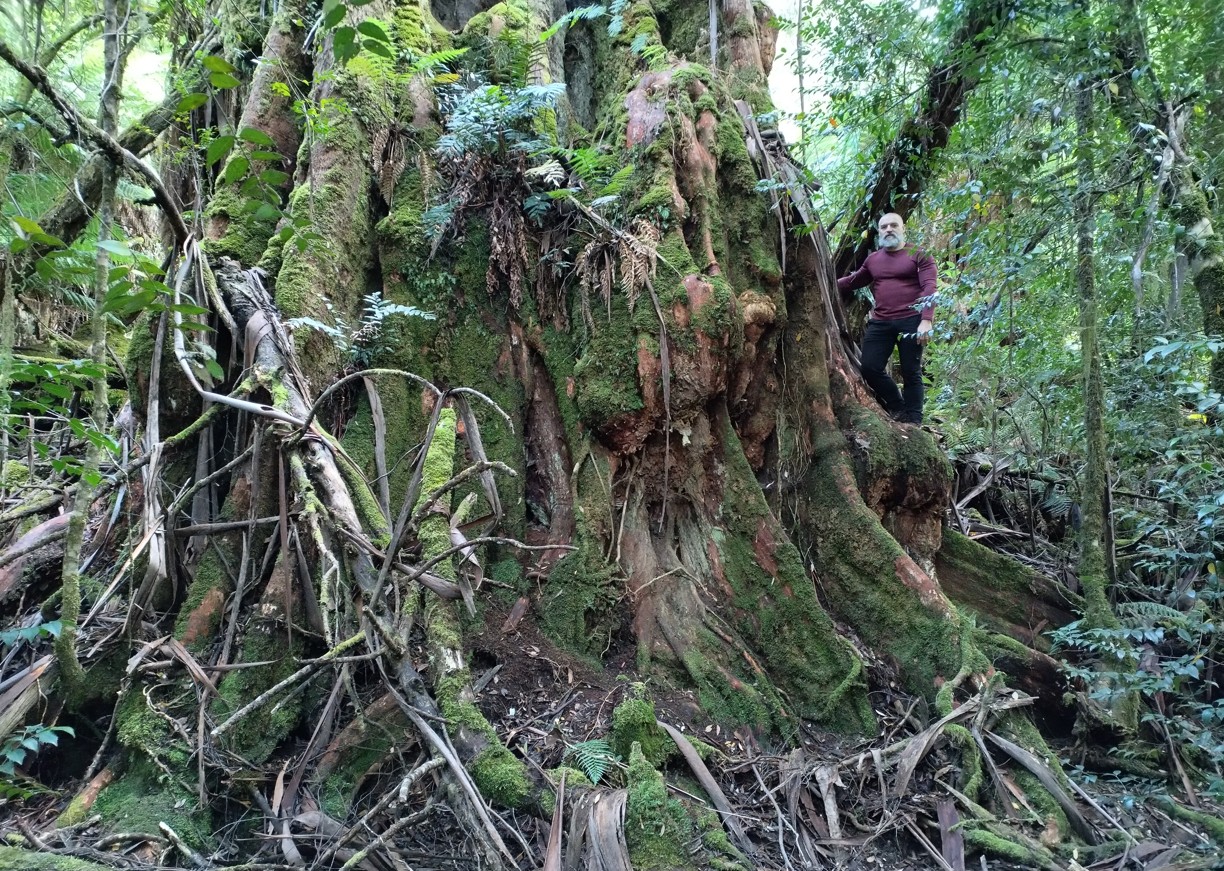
[708, 482]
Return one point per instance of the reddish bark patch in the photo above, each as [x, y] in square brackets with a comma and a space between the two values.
[764, 546]
[698, 291]
[86, 797]
[206, 615]
[647, 105]
[921, 583]
[716, 568]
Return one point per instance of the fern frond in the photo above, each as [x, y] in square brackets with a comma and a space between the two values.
[593, 758]
[1148, 613]
[617, 183]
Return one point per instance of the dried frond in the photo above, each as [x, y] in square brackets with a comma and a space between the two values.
[393, 164]
[378, 147]
[507, 249]
[425, 167]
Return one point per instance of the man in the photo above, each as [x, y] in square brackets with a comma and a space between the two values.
[902, 282]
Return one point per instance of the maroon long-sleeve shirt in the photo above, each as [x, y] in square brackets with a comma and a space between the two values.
[898, 279]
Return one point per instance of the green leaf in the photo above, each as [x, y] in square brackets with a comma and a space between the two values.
[235, 169]
[115, 247]
[378, 48]
[267, 212]
[26, 225]
[274, 177]
[191, 101]
[214, 369]
[274, 156]
[215, 64]
[223, 81]
[334, 16]
[343, 44]
[255, 136]
[186, 308]
[373, 31]
[218, 148]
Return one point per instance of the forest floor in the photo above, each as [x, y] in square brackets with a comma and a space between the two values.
[543, 700]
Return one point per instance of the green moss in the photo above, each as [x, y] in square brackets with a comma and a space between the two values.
[142, 797]
[605, 375]
[723, 855]
[434, 533]
[634, 723]
[1004, 848]
[417, 30]
[140, 728]
[16, 859]
[657, 830]
[210, 575]
[820, 674]
[1209, 823]
[727, 698]
[246, 234]
[501, 777]
[857, 561]
[582, 591]
[16, 474]
[258, 734]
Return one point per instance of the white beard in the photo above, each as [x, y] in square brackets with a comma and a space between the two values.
[891, 244]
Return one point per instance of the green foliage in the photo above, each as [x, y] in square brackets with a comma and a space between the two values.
[16, 749]
[593, 758]
[28, 634]
[376, 333]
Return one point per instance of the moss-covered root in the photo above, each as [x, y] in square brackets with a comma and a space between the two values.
[657, 829]
[1209, 824]
[634, 724]
[1004, 594]
[997, 841]
[501, 777]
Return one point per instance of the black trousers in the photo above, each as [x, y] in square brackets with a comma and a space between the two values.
[878, 343]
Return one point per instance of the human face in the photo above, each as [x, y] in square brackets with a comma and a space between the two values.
[891, 234]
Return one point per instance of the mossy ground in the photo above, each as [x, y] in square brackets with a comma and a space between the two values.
[657, 828]
[143, 796]
[17, 859]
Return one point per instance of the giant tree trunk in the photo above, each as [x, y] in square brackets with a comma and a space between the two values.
[703, 473]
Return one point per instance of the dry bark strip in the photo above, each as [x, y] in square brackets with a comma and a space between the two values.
[710, 786]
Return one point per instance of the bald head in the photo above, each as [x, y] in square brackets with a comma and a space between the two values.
[891, 235]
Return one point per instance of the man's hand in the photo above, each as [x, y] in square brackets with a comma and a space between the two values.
[924, 332]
